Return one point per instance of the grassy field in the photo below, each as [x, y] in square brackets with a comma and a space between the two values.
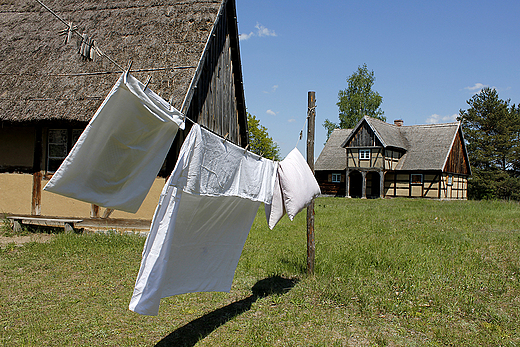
[388, 273]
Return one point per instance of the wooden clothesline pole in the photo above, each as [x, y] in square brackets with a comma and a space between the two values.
[311, 115]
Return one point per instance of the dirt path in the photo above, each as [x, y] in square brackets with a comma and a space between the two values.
[20, 240]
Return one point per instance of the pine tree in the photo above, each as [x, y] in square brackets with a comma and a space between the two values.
[492, 132]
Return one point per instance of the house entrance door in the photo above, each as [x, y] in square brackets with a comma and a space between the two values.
[373, 185]
[356, 184]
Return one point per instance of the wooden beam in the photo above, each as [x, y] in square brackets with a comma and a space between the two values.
[94, 211]
[311, 247]
[36, 204]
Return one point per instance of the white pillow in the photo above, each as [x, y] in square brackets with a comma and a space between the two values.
[297, 182]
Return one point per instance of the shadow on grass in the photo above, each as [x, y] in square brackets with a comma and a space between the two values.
[196, 330]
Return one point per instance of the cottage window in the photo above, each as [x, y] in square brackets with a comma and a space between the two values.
[416, 178]
[58, 146]
[336, 177]
[450, 180]
[364, 154]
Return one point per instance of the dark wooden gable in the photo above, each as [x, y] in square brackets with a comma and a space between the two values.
[216, 99]
[364, 136]
[457, 161]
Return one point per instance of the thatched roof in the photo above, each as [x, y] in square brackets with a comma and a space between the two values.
[428, 146]
[425, 147]
[333, 156]
[44, 79]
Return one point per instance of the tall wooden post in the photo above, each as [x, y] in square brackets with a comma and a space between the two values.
[36, 204]
[311, 115]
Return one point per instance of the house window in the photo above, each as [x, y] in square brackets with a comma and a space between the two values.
[58, 146]
[450, 180]
[416, 178]
[336, 178]
[364, 154]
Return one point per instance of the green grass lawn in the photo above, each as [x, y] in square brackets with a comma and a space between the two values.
[394, 272]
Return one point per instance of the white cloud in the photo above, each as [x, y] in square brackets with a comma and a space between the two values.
[243, 37]
[292, 120]
[261, 31]
[477, 87]
[271, 112]
[273, 89]
[435, 118]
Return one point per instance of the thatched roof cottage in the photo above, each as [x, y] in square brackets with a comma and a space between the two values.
[377, 159]
[49, 92]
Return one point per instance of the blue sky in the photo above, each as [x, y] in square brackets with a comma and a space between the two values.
[428, 57]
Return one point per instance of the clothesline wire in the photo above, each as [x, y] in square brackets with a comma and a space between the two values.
[78, 34]
[119, 66]
[142, 70]
[222, 137]
[98, 50]
[80, 74]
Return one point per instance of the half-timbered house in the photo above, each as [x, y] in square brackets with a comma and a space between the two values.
[330, 167]
[393, 160]
[48, 92]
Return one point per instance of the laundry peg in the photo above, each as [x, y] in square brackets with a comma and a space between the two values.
[129, 66]
[225, 137]
[245, 149]
[147, 82]
[171, 100]
[92, 49]
[69, 33]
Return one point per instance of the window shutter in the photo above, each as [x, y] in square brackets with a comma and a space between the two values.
[330, 178]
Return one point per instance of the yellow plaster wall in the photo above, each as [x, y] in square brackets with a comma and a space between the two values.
[16, 197]
[15, 193]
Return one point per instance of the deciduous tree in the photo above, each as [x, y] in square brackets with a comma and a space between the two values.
[357, 100]
[259, 140]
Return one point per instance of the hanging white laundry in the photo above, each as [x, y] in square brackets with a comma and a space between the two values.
[202, 221]
[119, 154]
[294, 190]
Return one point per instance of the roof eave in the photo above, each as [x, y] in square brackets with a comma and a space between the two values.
[365, 118]
[191, 90]
[459, 128]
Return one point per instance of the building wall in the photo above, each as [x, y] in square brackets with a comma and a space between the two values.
[16, 198]
[454, 188]
[434, 185]
[328, 187]
[391, 159]
[376, 158]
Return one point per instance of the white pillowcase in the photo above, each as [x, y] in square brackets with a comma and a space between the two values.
[275, 211]
[297, 185]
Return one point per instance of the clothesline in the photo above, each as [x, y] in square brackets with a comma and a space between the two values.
[74, 30]
[80, 74]
[224, 138]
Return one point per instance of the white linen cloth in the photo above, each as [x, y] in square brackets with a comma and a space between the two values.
[119, 154]
[295, 188]
[204, 215]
